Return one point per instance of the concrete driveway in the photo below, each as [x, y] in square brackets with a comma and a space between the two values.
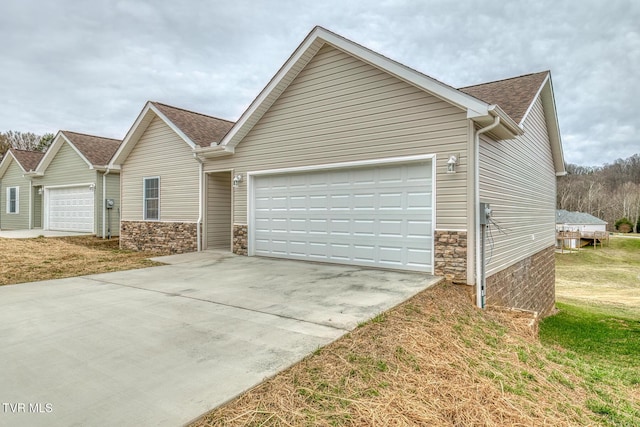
[161, 346]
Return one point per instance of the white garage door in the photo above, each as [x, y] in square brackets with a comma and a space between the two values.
[70, 209]
[373, 216]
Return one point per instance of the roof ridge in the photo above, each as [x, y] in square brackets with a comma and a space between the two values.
[506, 79]
[86, 134]
[25, 151]
[191, 111]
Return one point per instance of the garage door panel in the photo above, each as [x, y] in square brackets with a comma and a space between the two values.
[375, 216]
[70, 209]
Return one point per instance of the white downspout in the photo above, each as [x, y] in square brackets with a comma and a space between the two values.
[104, 203]
[479, 260]
[200, 196]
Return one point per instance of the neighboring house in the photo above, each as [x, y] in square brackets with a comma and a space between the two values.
[19, 200]
[578, 221]
[350, 157]
[588, 226]
[161, 175]
[76, 182]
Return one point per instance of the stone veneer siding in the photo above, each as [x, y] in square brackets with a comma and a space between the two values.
[161, 237]
[529, 284]
[240, 239]
[451, 255]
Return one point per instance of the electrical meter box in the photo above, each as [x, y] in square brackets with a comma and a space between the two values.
[110, 203]
[485, 213]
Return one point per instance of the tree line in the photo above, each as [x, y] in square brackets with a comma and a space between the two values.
[610, 192]
[24, 141]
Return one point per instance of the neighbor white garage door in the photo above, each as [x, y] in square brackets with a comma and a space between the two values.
[373, 216]
[70, 209]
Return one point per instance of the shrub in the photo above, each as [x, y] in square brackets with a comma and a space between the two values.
[623, 225]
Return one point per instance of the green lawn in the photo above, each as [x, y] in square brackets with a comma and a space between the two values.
[597, 328]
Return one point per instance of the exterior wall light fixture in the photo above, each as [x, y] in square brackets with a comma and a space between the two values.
[451, 164]
[237, 180]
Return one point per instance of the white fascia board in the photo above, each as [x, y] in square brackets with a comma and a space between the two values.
[405, 73]
[526, 114]
[131, 138]
[506, 121]
[51, 153]
[214, 151]
[447, 93]
[104, 168]
[551, 116]
[6, 162]
[77, 151]
[173, 127]
[118, 158]
[275, 81]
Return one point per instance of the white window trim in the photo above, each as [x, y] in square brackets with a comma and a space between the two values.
[144, 198]
[17, 211]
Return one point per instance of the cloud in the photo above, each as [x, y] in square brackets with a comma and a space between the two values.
[90, 66]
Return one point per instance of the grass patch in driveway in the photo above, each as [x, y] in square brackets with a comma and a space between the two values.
[29, 260]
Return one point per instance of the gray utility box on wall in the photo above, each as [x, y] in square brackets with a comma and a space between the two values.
[485, 213]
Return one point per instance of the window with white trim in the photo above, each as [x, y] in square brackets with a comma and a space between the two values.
[13, 200]
[151, 198]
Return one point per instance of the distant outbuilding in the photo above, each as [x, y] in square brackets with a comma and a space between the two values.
[578, 221]
[578, 229]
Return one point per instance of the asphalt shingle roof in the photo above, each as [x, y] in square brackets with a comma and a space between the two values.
[566, 217]
[96, 149]
[199, 128]
[28, 159]
[513, 95]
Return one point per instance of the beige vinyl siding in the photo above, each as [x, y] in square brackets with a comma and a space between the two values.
[517, 178]
[113, 192]
[161, 152]
[67, 168]
[219, 211]
[340, 109]
[13, 178]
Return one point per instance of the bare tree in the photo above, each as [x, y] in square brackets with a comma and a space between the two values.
[24, 141]
[609, 192]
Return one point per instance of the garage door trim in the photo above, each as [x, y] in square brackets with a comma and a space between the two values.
[251, 175]
[47, 199]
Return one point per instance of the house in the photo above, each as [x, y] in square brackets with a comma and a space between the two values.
[588, 226]
[578, 221]
[80, 192]
[349, 157]
[19, 201]
[163, 177]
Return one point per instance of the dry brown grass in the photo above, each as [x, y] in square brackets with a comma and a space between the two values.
[28, 260]
[434, 360]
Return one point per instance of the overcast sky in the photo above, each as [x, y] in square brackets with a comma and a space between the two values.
[90, 65]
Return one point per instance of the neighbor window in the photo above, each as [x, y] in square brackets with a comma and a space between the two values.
[13, 200]
[152, 198]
